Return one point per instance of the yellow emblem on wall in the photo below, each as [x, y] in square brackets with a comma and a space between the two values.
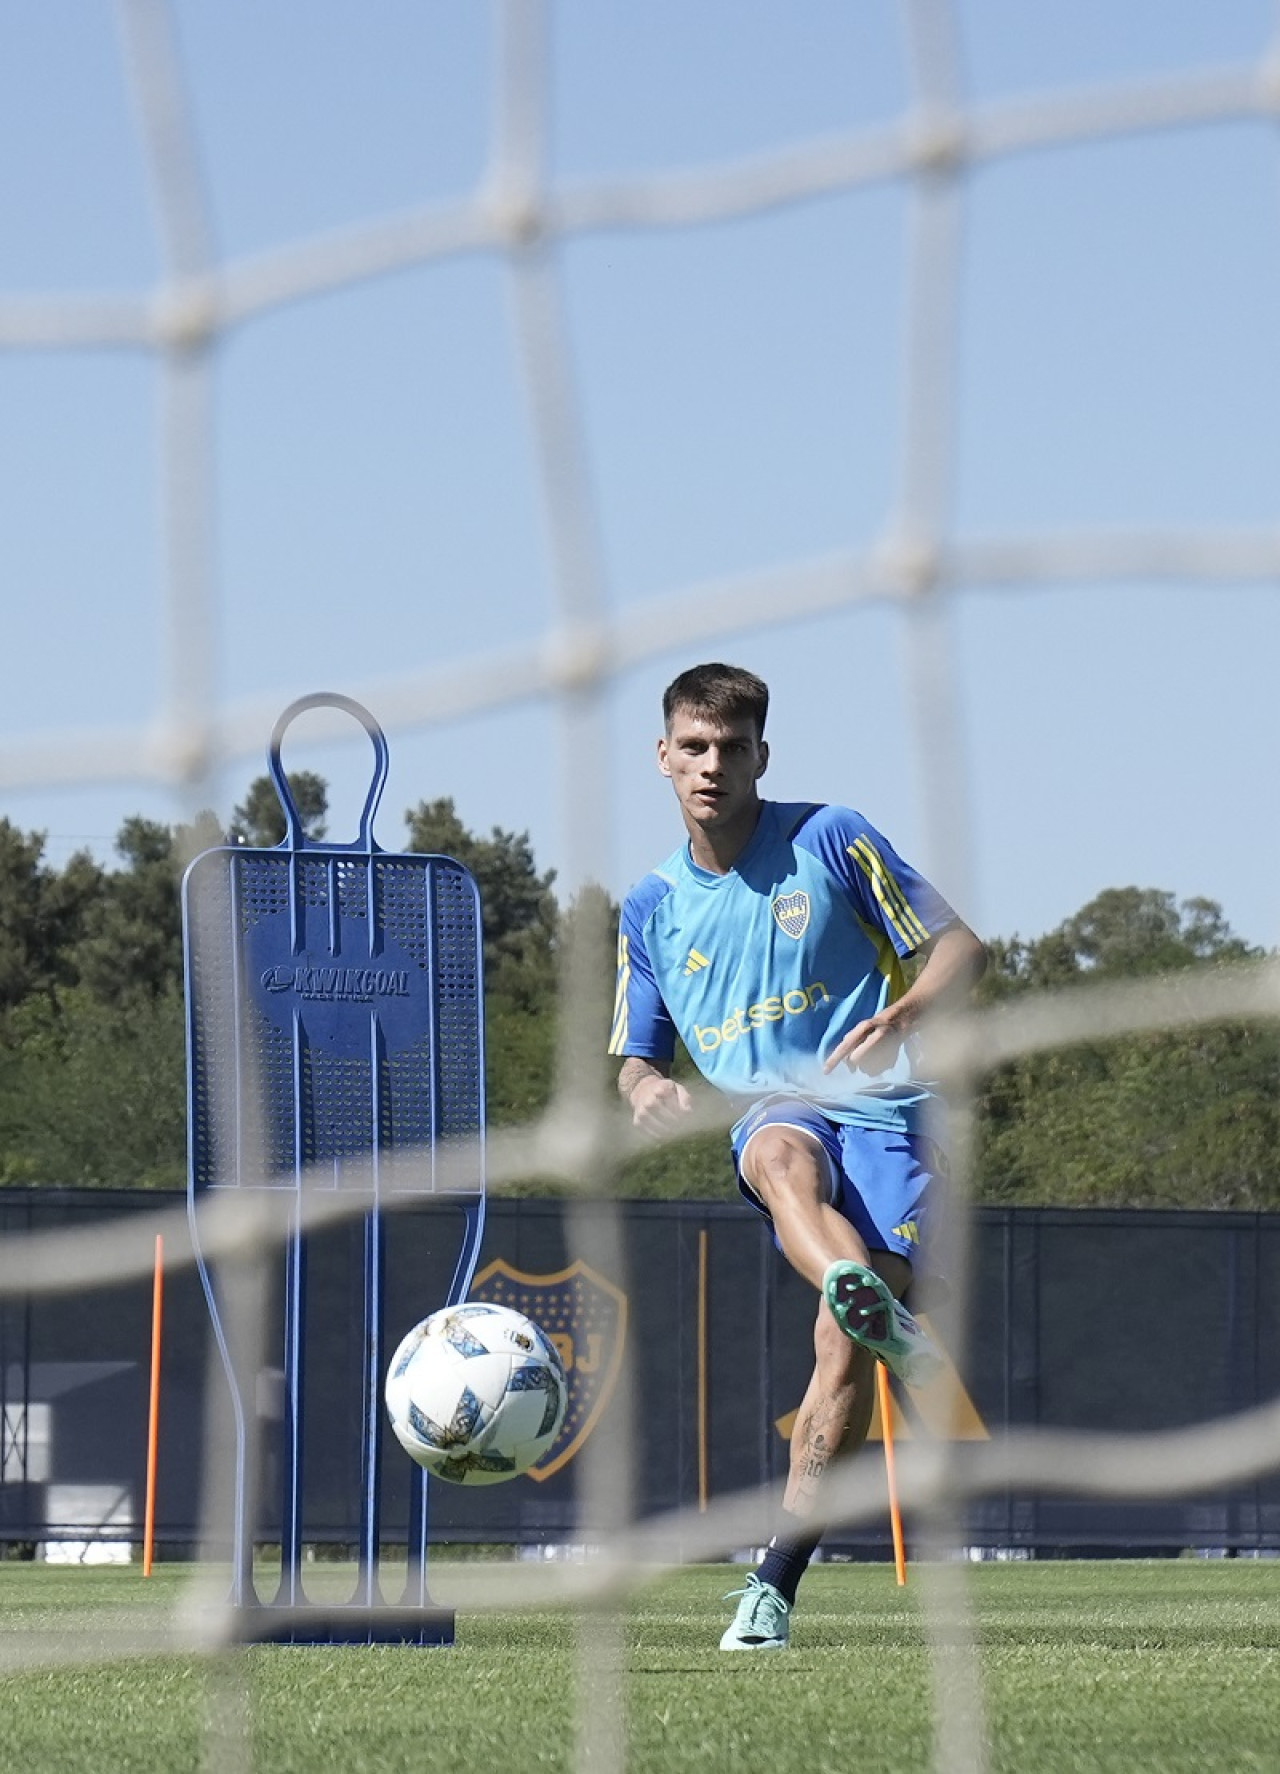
[944, 1408]
[585, 1316]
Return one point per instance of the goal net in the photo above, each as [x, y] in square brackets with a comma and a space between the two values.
[581, 661]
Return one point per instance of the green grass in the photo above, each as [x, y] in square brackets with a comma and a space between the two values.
[1163, 1666]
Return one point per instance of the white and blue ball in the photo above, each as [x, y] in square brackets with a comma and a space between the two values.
[476, 1393]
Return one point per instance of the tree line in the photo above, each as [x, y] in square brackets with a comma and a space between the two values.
[92, 1073]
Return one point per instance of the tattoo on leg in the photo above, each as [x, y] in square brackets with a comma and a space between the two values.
[817, 1457]
[818, 1438]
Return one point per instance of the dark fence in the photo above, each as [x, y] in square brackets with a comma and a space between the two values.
[1084, 1320]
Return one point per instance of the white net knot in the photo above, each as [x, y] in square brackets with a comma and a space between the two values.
[180, 752]
[937, 142]
[573, 1141]
[578, 658]
[1269, 82]
[517, 212]
[908, 566]
[186, 315]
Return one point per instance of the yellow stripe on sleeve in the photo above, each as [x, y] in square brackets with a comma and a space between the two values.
[618, 1036]
[889, 895]
[888, 961]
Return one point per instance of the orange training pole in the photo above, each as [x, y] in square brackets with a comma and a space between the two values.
[702, 1372]
[153, 1415]
[886, 1429]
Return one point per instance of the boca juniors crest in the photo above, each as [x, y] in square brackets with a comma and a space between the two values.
[585, 1316]
[791, 913]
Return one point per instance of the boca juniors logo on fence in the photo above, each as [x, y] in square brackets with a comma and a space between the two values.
[791, 913]
[585, 1316]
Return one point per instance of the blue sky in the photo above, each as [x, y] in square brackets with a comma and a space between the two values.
[378, 504]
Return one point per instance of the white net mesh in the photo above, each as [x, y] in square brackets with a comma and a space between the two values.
[579, 660]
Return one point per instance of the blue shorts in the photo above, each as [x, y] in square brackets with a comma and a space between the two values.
[879, 1179]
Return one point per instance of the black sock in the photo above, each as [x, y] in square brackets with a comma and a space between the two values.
[787, 1557]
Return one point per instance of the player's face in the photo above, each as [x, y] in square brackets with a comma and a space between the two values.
[714, 767]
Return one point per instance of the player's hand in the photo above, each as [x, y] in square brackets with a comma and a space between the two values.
[658, 1105]
[871, 1046]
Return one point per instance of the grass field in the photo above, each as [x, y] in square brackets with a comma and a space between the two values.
[1162, 1665]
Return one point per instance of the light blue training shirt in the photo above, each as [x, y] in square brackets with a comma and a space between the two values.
[762, 971]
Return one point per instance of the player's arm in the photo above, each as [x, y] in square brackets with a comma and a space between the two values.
[644, 1036]
[656, 1100]
[953, 963]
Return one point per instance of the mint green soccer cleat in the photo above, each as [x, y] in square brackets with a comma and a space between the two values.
[866, 1311]
[763, 1620]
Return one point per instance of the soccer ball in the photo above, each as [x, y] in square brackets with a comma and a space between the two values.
[476, 1393]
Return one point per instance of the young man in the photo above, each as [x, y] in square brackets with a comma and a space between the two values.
[772, 944]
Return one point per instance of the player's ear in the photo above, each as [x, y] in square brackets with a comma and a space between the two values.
[663, 764]
[763, 765]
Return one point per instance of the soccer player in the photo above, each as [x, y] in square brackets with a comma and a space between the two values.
[772, 943]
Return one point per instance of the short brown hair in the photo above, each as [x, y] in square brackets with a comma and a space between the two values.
[718, 692]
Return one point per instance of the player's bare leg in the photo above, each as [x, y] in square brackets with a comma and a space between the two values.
[830, 1425]
[790, 1173]
[859, 1320]
[834, 1415]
